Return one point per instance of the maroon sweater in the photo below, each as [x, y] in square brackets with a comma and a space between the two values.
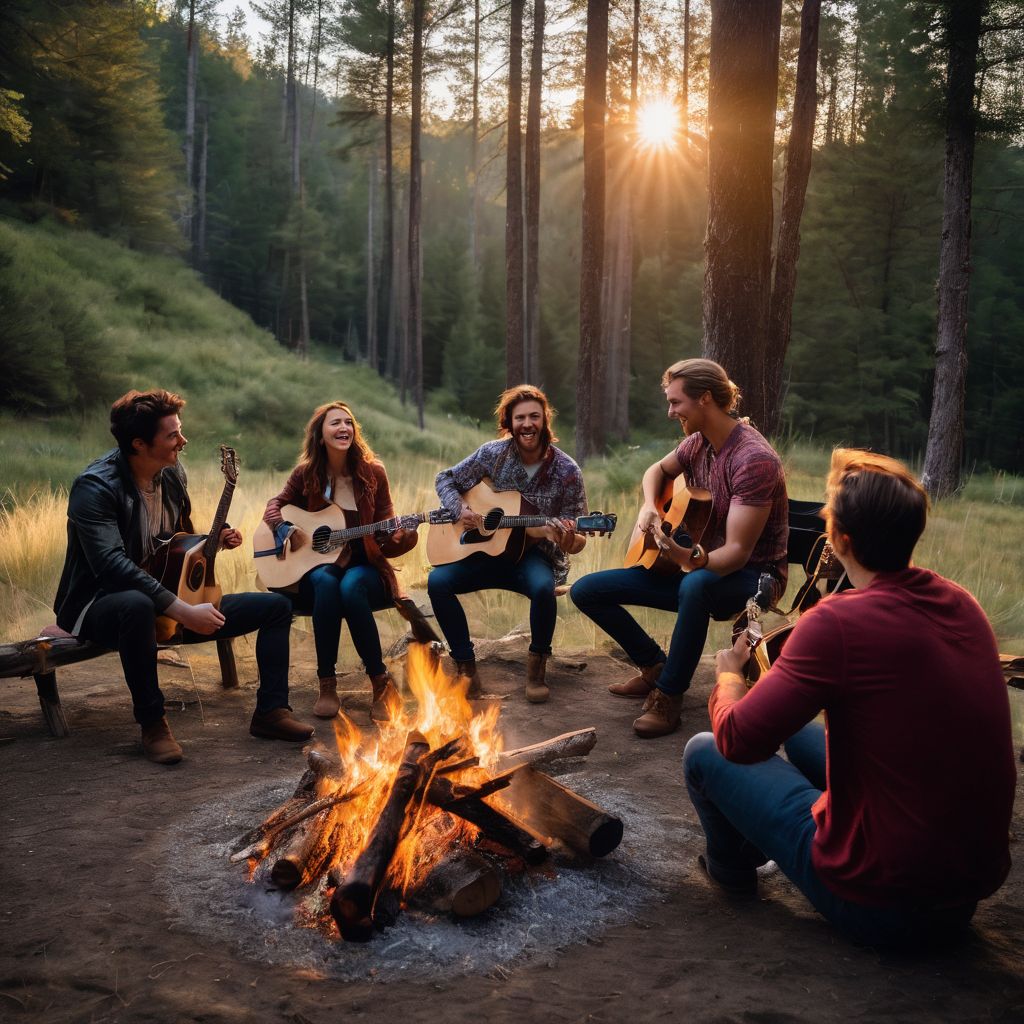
[920, 761]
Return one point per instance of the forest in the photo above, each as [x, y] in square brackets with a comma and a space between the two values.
[550, 171]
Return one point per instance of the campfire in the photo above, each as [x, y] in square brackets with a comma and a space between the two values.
[426, 811]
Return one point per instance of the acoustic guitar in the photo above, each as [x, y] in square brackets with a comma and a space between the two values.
[330, 539]
[684, 513]
[506, 515]
[184, 563]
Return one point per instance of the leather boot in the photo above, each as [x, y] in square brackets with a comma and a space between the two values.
[279, 724]
[661, 713]
[327, 704]
[467, 670]
[385, 693]
[159, 745]
[639, 685]
[537, 690]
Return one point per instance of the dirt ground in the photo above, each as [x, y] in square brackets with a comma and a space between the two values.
[86, 933]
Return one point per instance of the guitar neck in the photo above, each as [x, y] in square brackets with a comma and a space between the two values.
[339, 537]
[219, 519]
[515, 522]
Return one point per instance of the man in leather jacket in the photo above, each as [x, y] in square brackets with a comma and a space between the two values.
[119, 509]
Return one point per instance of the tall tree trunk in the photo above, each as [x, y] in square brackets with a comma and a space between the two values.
[944, 452]
[415, 201]
[742, 94]
[191, 74]
[318, 42]
[386, 323]
[514, 369]
[474, 208]
[532, 373]
[856, 85]
[590, 371]
[684, 115]
[199, 250]
[295, 135]
[794, 189]
[372, 355]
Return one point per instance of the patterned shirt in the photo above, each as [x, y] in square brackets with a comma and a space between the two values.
[746, 471]
[555, 490]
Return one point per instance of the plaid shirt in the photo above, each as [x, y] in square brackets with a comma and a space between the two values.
[556, 488]
[747, 471]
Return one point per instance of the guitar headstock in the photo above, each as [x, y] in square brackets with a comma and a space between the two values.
[229, 463]
[597, 522]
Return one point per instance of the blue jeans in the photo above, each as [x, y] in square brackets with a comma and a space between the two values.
[752, 813]
[696, 597]
[353, 594]
[126, 622]
[531, 576]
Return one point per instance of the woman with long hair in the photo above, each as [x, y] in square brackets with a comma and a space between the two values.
[336, 466]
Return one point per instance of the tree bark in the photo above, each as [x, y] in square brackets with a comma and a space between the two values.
[415, 204]
[794, 190]
[474, 207]
[199, 249]
[514, 369]
[386, 323]
[944, 452]
[532, 361]
[590, 370]
[684, 116]
[372, 355]
[743, 89]
[191, 74]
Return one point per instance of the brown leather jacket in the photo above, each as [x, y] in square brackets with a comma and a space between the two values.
[374, 510]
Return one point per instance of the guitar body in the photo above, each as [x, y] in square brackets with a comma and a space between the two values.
[450, 542]
[280, 572]
[684, 512]
[182, 567]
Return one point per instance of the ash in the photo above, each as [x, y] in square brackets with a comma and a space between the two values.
[537, 914]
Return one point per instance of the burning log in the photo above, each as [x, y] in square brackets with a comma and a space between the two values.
[569, 744]
[548, 809]
[491, 822]
[462, 883]
[306, 853]
[352, 902]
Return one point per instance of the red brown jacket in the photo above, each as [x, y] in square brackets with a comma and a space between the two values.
[372, 509]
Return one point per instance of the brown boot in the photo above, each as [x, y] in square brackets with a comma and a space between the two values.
[279, 724]
[385, 693]
[661, 714]
[638, 685]
[159, 745]
[537, 690]
[467, 670]
[327, 704]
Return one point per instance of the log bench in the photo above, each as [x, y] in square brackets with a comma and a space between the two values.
[41, 656]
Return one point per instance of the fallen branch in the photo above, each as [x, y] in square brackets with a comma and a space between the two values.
[569, 744]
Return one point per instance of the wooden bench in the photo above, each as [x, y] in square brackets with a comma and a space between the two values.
[42, 655]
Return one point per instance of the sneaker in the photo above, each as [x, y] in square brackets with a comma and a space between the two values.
[661, 714]
[159, 745]
[279, 724]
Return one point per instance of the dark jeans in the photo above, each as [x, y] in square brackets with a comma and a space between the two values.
[353, 594]
[126, 622]
[696, 597]
[753, 813]
[531, 576]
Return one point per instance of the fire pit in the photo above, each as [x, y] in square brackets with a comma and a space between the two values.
[426, 812]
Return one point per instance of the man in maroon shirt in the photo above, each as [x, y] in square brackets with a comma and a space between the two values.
[746, 536]
[893, 818]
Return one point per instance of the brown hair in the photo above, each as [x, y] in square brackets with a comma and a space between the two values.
[700, 375]
[879, 504]
[313, 454]
[511, 397]
[137, 414]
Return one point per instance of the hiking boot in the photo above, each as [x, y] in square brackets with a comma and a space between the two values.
[279, 724]
[385, 697]
[639, 685]
[660, 716]
[159, 745]
[467, 670]
[327, 704]
[537, 690]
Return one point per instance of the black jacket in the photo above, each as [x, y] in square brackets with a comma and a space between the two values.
[105, 540]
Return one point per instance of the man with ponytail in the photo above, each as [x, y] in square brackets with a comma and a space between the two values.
[746, 535]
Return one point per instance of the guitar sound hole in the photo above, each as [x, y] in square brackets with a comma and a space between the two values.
[492, 519]
[321, 538]
[196, 575]
[683, 539]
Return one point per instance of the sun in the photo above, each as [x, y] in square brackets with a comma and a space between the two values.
[657, 123]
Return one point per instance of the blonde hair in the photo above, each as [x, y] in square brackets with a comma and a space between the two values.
[700, 375]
